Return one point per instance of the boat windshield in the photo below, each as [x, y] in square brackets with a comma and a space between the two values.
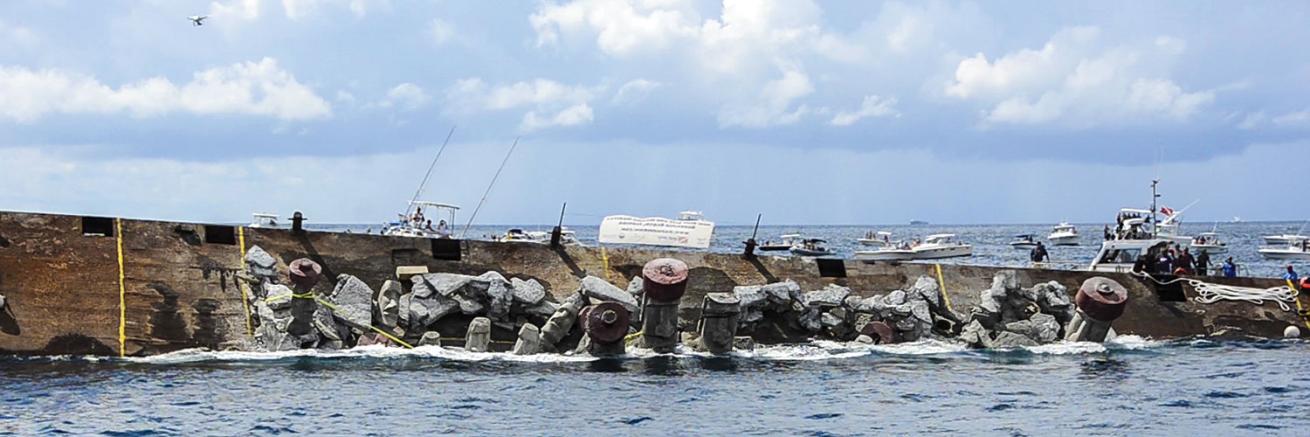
[1120, 256]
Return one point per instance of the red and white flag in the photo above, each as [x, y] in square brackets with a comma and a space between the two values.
[1166, 210]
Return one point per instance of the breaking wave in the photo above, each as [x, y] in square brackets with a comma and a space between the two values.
[814, 351]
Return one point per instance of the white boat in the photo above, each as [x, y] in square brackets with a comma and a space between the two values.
[567, 237]
[516, 235]
[1024, 241]
[934, 246]
[1284, 239]
[811, 247]
[1137, 233]
[876, 239]
[1063, 234]
[419, 225]
[264, 220]
[787, 241]
[1294, 251]
[691, 216]
[1209, 242]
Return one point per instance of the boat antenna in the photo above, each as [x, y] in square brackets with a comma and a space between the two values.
[1154, 196]
[492, 184]
[428, 175]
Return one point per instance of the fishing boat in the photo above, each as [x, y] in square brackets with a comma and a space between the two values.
[516, 235]
[876, 239]
[567, 237]
[419, 226]
[1137, 233]
[785, 243]
[934, 246]
[1278, 240]
[264, 220]
[811, 247]
[1063, 234]
[1209, 242]
[1292, 251]
[1024, 241]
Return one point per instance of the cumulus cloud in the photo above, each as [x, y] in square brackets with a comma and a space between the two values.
[1072, 79]
[406, 96]
[872, 107]
[551, 103]
[253, 88]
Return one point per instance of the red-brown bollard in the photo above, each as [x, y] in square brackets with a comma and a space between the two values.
[606, 325]
[1100, 301]
[664, 281]
[304, 274]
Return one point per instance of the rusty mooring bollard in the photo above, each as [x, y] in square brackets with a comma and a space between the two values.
[606, 325]
[304, 274]
[664, 281]
[1100, 301]
[718, 322]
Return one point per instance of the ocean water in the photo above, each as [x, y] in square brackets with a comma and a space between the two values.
[1132, 386]
[990, 242]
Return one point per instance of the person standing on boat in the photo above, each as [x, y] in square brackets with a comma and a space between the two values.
[1039, 253]
[1203, 262]
[1165, 264]
[1291, 274]
[1230, 269]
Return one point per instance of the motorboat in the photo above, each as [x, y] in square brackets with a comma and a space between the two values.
[811, 247]
[419, 226]
[265, 220]
[1284, 239]
[1024, 241]
[567, 237]
[1138, 232]
[1209, 242]
[786, 243]
[876, 239]
[934, 246]
[1063, 234]
[1293, 251]
[691, 216]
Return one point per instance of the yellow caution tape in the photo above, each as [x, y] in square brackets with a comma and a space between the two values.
[942, 283]
[604, 257]
[334, 309]
[245, 295]
[122, 290]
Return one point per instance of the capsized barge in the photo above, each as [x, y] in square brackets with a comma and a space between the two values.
[109, 286]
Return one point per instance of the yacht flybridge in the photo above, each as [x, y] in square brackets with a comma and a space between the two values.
[1137, 233]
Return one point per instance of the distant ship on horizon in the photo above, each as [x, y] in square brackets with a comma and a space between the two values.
[918, 222]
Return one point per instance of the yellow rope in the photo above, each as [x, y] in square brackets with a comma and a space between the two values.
[122, 290]
[942, 283]
[1297, 298]
[334, 309]
[604, 257]
[241, 283]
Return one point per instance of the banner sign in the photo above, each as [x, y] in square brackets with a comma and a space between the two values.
[656, 231]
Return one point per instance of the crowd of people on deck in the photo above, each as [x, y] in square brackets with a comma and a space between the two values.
[418, 221]
[1175, 260]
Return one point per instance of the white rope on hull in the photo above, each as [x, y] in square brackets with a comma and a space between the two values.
[1211, 293]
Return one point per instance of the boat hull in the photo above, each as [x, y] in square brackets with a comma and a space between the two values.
[1284, 254]
[1063, 240]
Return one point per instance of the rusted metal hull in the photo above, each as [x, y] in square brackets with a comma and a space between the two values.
[179, 287]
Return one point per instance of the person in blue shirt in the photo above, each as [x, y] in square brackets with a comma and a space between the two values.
[1291, 274]
[1230, 269]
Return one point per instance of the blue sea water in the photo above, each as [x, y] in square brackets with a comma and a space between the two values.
[990, 242]
[1129, 387]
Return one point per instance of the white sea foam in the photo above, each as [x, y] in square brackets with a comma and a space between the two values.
[813, 351]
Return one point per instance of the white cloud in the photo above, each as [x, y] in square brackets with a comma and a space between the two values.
[621, 27]
[1073, 80]
[15, 35]
[253, 88]
[774, 105]
[1293, 119]
[295, 10]
[406, 96]
[872, 107]
[571, 116]
[634, 91]
[550, 103]
[441, 31]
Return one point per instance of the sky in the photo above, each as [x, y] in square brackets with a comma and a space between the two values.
[835, 112]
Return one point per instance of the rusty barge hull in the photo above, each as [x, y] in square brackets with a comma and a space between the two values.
[105, 286]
